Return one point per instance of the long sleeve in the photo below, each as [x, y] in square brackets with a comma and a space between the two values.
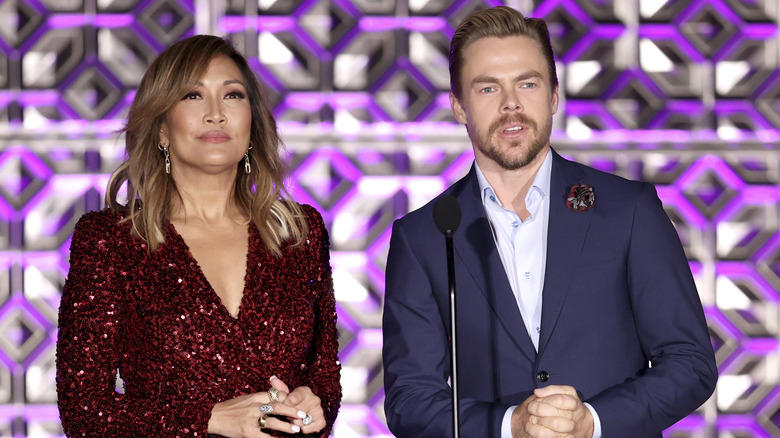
[323, 370]
[91, 344]
[671, 328]
[416, 356]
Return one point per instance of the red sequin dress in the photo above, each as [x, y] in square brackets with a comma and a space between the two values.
[155, 318]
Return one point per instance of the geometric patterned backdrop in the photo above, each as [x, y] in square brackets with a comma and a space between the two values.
[684, 94]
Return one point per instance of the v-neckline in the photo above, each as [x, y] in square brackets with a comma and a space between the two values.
[205, 279]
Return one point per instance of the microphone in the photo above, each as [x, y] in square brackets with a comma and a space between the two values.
[446, 216]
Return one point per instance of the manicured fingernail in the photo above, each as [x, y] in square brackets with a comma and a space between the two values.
[295, 429]
[271, 379]
[301, 414]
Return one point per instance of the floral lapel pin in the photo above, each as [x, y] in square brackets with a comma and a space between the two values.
[581, 198]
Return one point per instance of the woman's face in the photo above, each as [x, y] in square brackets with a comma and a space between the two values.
[208, 131]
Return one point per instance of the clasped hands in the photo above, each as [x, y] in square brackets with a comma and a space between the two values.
[239, 417]
[552, 412]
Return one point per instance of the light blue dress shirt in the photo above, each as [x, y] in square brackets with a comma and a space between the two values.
[522, 246]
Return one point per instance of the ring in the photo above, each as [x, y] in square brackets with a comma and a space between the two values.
[261, 421]
[307, 420]
[266, 409]
[274, 394]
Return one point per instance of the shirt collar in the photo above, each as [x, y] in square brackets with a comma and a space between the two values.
[541, 182]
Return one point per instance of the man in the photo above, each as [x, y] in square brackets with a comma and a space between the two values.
[578, 315]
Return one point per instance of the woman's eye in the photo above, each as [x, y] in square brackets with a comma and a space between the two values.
[235, 95]
[191, 95]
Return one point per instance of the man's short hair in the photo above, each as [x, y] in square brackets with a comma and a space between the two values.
[500, 22]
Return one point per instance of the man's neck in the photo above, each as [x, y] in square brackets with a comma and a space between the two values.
[511, 186]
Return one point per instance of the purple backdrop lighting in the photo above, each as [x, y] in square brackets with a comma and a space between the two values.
[682, 94]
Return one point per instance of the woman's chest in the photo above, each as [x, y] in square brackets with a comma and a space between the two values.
[174, 315]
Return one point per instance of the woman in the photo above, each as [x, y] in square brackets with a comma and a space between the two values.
[210, 291]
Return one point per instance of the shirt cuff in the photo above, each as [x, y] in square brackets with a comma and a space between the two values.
[506, 423]
[596, 421]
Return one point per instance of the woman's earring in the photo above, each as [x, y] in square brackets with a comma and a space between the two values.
[247, 165]
[167, 157]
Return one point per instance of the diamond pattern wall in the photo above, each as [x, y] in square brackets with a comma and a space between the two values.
[684, 94]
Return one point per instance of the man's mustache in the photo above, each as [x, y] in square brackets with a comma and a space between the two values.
[512, 119]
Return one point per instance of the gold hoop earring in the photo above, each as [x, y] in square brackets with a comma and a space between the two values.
[167, 157]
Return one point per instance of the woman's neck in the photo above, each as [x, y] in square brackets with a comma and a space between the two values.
[210, 203]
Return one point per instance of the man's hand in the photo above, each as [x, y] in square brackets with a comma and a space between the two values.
[552, 412]
[521, 420]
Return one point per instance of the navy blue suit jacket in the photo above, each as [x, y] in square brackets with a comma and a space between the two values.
[621, 318]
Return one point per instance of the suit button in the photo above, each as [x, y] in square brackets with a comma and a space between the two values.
[543, 376]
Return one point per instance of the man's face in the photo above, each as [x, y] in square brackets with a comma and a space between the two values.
[506, 103]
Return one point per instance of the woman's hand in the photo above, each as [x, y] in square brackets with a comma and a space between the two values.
[240, 417]
[309, 417]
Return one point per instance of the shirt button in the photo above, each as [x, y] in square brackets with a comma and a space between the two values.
[543, 376]
[492, 198]
[515, 224]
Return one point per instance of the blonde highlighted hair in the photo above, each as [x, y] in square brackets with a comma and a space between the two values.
[259, 194]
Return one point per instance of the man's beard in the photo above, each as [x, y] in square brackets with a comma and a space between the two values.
[505, 159]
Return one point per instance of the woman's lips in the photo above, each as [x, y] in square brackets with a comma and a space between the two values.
[214, 137]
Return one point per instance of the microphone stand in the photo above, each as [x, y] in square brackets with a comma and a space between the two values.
[453, 336]
[447, 216]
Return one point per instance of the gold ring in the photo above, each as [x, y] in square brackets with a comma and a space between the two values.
[274, 394]
[261, 421]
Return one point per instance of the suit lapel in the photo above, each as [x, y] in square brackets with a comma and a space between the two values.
[566, 233]
[476, 248]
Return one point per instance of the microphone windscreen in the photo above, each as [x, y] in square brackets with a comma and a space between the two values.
[446, 214]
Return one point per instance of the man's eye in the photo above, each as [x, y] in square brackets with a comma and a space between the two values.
[487, 90]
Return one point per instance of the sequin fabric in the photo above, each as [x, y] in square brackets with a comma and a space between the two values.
[155, 319]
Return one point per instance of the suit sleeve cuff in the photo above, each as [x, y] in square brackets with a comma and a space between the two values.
[506, 423]
[596, 421]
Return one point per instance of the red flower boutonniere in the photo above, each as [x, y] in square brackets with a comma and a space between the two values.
[581, 198]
